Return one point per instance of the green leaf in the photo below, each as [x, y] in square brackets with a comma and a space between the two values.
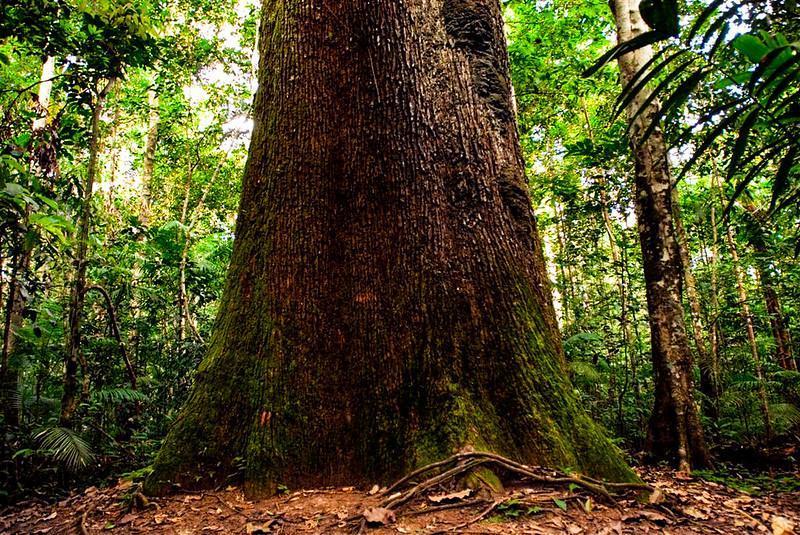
[751, 46]
[66, 447]
[561, 504]
[741, 141]
[781, 182]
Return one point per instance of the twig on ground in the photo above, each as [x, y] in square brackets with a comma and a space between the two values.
[473, 520]
[84, 530]
[437, 508]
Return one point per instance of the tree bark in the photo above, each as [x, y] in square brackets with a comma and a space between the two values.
[674, 429]
[387, 301]
[709, 366]
[72, 392]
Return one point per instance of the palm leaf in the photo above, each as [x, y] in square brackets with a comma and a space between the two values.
[66, 447]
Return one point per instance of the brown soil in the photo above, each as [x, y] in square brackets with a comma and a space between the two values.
[682, 505]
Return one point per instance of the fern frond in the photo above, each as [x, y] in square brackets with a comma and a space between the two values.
[115, 396]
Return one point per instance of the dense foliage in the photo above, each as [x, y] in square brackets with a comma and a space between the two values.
[173, 81]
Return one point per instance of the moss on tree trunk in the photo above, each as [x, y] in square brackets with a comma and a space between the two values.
[387, 302]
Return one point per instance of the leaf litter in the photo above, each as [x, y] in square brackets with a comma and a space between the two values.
[678, 505]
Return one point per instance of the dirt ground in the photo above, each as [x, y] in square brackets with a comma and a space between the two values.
[681, 505]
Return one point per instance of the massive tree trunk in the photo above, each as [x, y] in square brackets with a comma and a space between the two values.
[387, 301]
[674, 429]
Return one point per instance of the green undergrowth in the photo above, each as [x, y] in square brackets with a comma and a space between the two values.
[752, 483]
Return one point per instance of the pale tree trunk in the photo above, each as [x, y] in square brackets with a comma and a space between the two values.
[45, 88]
[72, 392]
[150, 153]
[182, 307]
[17, 295]
[709, 367]
[674, 429]
[387, 301]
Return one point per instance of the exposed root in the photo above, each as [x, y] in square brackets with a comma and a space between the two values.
[400, 494]
[82, 528]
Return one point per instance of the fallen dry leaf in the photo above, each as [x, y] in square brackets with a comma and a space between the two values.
[255, 529]
[781, 525]
[451, 497]
[379, 516]
[127, 519]
[695, 513]
[657, 496]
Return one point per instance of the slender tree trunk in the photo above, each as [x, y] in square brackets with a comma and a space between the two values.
[17, 294]
[72, 392]
[114, 157]
[45, 88]
[747, 317]
[674, 428]
[709, 367]
[182, 316]
[15, 306]
[387, 301]
[777, 320]
[150, 152]
[716, 333]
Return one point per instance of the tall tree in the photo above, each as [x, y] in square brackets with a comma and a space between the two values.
[71, 396]
[757, 237]
[709, 365]
[674, 428]
[387, 301]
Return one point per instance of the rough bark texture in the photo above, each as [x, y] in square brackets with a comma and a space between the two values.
[674, 429]
[387, 302]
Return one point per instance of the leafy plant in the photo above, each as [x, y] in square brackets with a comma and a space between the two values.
[65, 446]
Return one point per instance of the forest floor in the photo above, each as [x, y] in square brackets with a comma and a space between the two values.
[681, 505]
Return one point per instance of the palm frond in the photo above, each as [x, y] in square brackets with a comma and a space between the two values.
[65, 446]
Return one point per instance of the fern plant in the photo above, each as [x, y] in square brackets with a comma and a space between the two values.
[117, 396]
